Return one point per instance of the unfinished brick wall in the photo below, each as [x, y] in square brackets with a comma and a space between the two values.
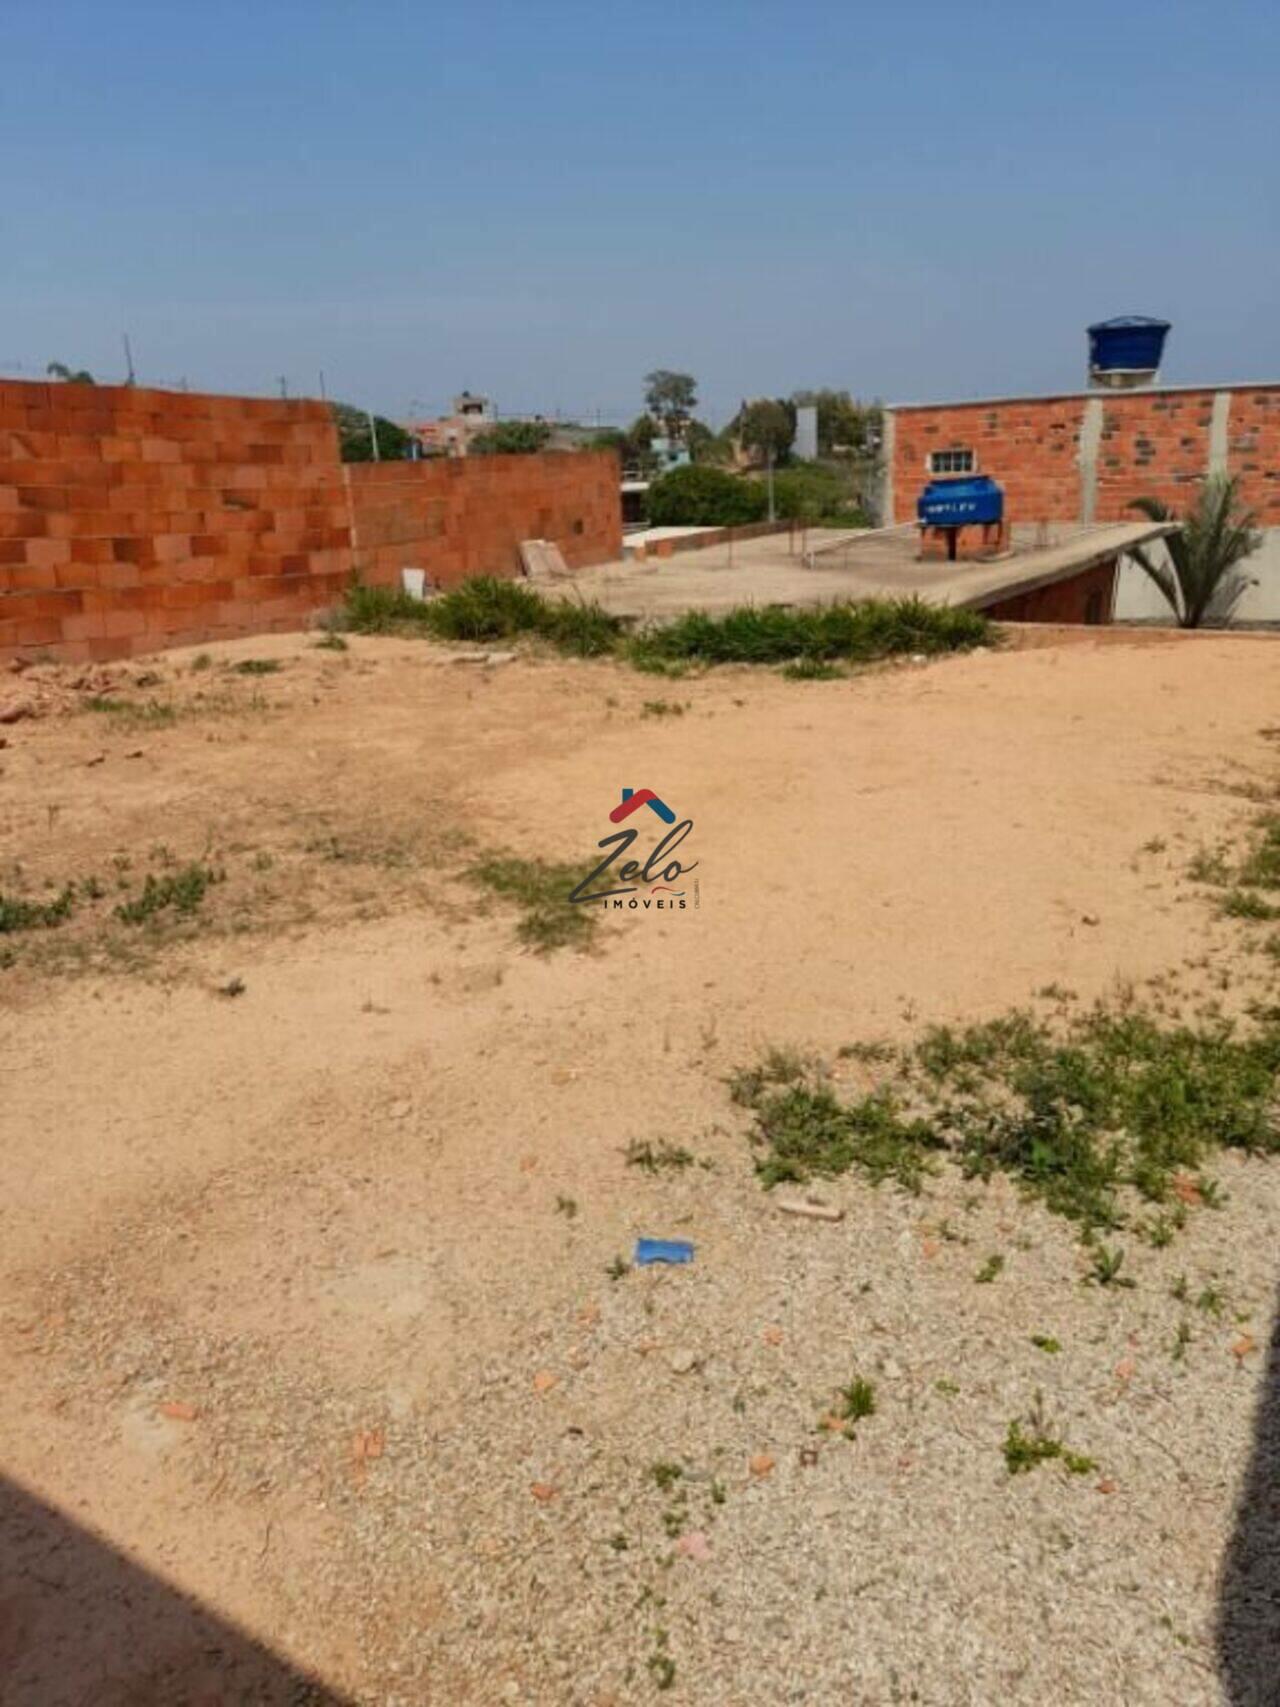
[467, 516]
[132, 520]
[1085, 598]
[1150, 443]
[1029, 447]
[1253, 450]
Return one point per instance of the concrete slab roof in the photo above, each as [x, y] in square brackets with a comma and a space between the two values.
[828, 564]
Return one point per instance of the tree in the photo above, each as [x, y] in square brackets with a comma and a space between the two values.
[704, 445]
[511, 438]
[695, 496]
[671, 398]
[70, 376]
[1202, 578]
[355, 441]
[766, 427]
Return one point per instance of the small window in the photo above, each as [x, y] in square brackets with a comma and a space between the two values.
[951, 462]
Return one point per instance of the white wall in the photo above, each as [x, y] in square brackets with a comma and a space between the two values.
[1137, 596]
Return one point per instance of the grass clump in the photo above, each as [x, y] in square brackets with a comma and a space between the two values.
[179, 891]
[484, 609]
[549, 920]
[1026, 1449]
[811, 670]
[859, 632]
[803, 1131]
[258, 667]
[857, 1402]
[150, 713]
[1083, 1110]
[18, 915]
[660, 1158]
[1250, 880]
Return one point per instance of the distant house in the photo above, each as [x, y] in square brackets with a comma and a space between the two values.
[451, 435]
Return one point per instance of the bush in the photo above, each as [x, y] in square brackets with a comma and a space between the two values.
[699, 496]
[355, 441]
[769, 634]
[809, 492]
[511, 438]
[486, 609]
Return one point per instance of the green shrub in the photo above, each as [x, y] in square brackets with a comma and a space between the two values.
[1081, 1112]
[182, 891]
[699, 496]
[809, 492]
[511, 438]
[16, 915]
[484, 609]
[769, 634]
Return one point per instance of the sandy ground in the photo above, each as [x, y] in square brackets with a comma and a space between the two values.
[312, 1360]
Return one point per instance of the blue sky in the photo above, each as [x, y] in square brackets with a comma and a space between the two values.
[544, 201]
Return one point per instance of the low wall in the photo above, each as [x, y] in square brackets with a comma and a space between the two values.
[132, 519]
[704, 537]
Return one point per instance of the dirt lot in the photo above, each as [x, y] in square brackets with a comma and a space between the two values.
[313, 1333]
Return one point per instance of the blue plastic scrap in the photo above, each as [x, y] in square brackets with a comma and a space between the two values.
[663, 1250]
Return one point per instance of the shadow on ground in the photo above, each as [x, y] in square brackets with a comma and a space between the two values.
[1249, 1615]
[80, 1623]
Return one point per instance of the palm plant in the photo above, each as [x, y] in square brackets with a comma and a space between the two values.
[1202, 578]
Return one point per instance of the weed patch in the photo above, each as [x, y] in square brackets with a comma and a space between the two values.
[658, 1158]
[484, 609]
[549, 920]
[142, 714]
[18, 915]
[860, 632]
[1026, 1449]
[1249, 880]
[180, 892]
[1083, 1110]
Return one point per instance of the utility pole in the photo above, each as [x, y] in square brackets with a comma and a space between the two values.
[324, 395]
[128, 360]
[373, 435]
[284, 386]
[769, 482]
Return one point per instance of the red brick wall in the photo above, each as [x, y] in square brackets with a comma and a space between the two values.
[1154, 443]
[1087, 597]
[467, 516]
[1153, 446]
[132, 520]
[1029, 447]
[1253, 450]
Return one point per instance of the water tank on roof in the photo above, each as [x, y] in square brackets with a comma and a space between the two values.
[1126, 351]
[953, 502]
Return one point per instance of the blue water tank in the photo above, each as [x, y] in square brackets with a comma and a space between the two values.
[1127, 350]
[952, 502]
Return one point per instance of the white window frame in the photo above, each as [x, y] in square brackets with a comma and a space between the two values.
[956, 459]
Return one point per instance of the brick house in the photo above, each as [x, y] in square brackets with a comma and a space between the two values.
[1082, 457]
